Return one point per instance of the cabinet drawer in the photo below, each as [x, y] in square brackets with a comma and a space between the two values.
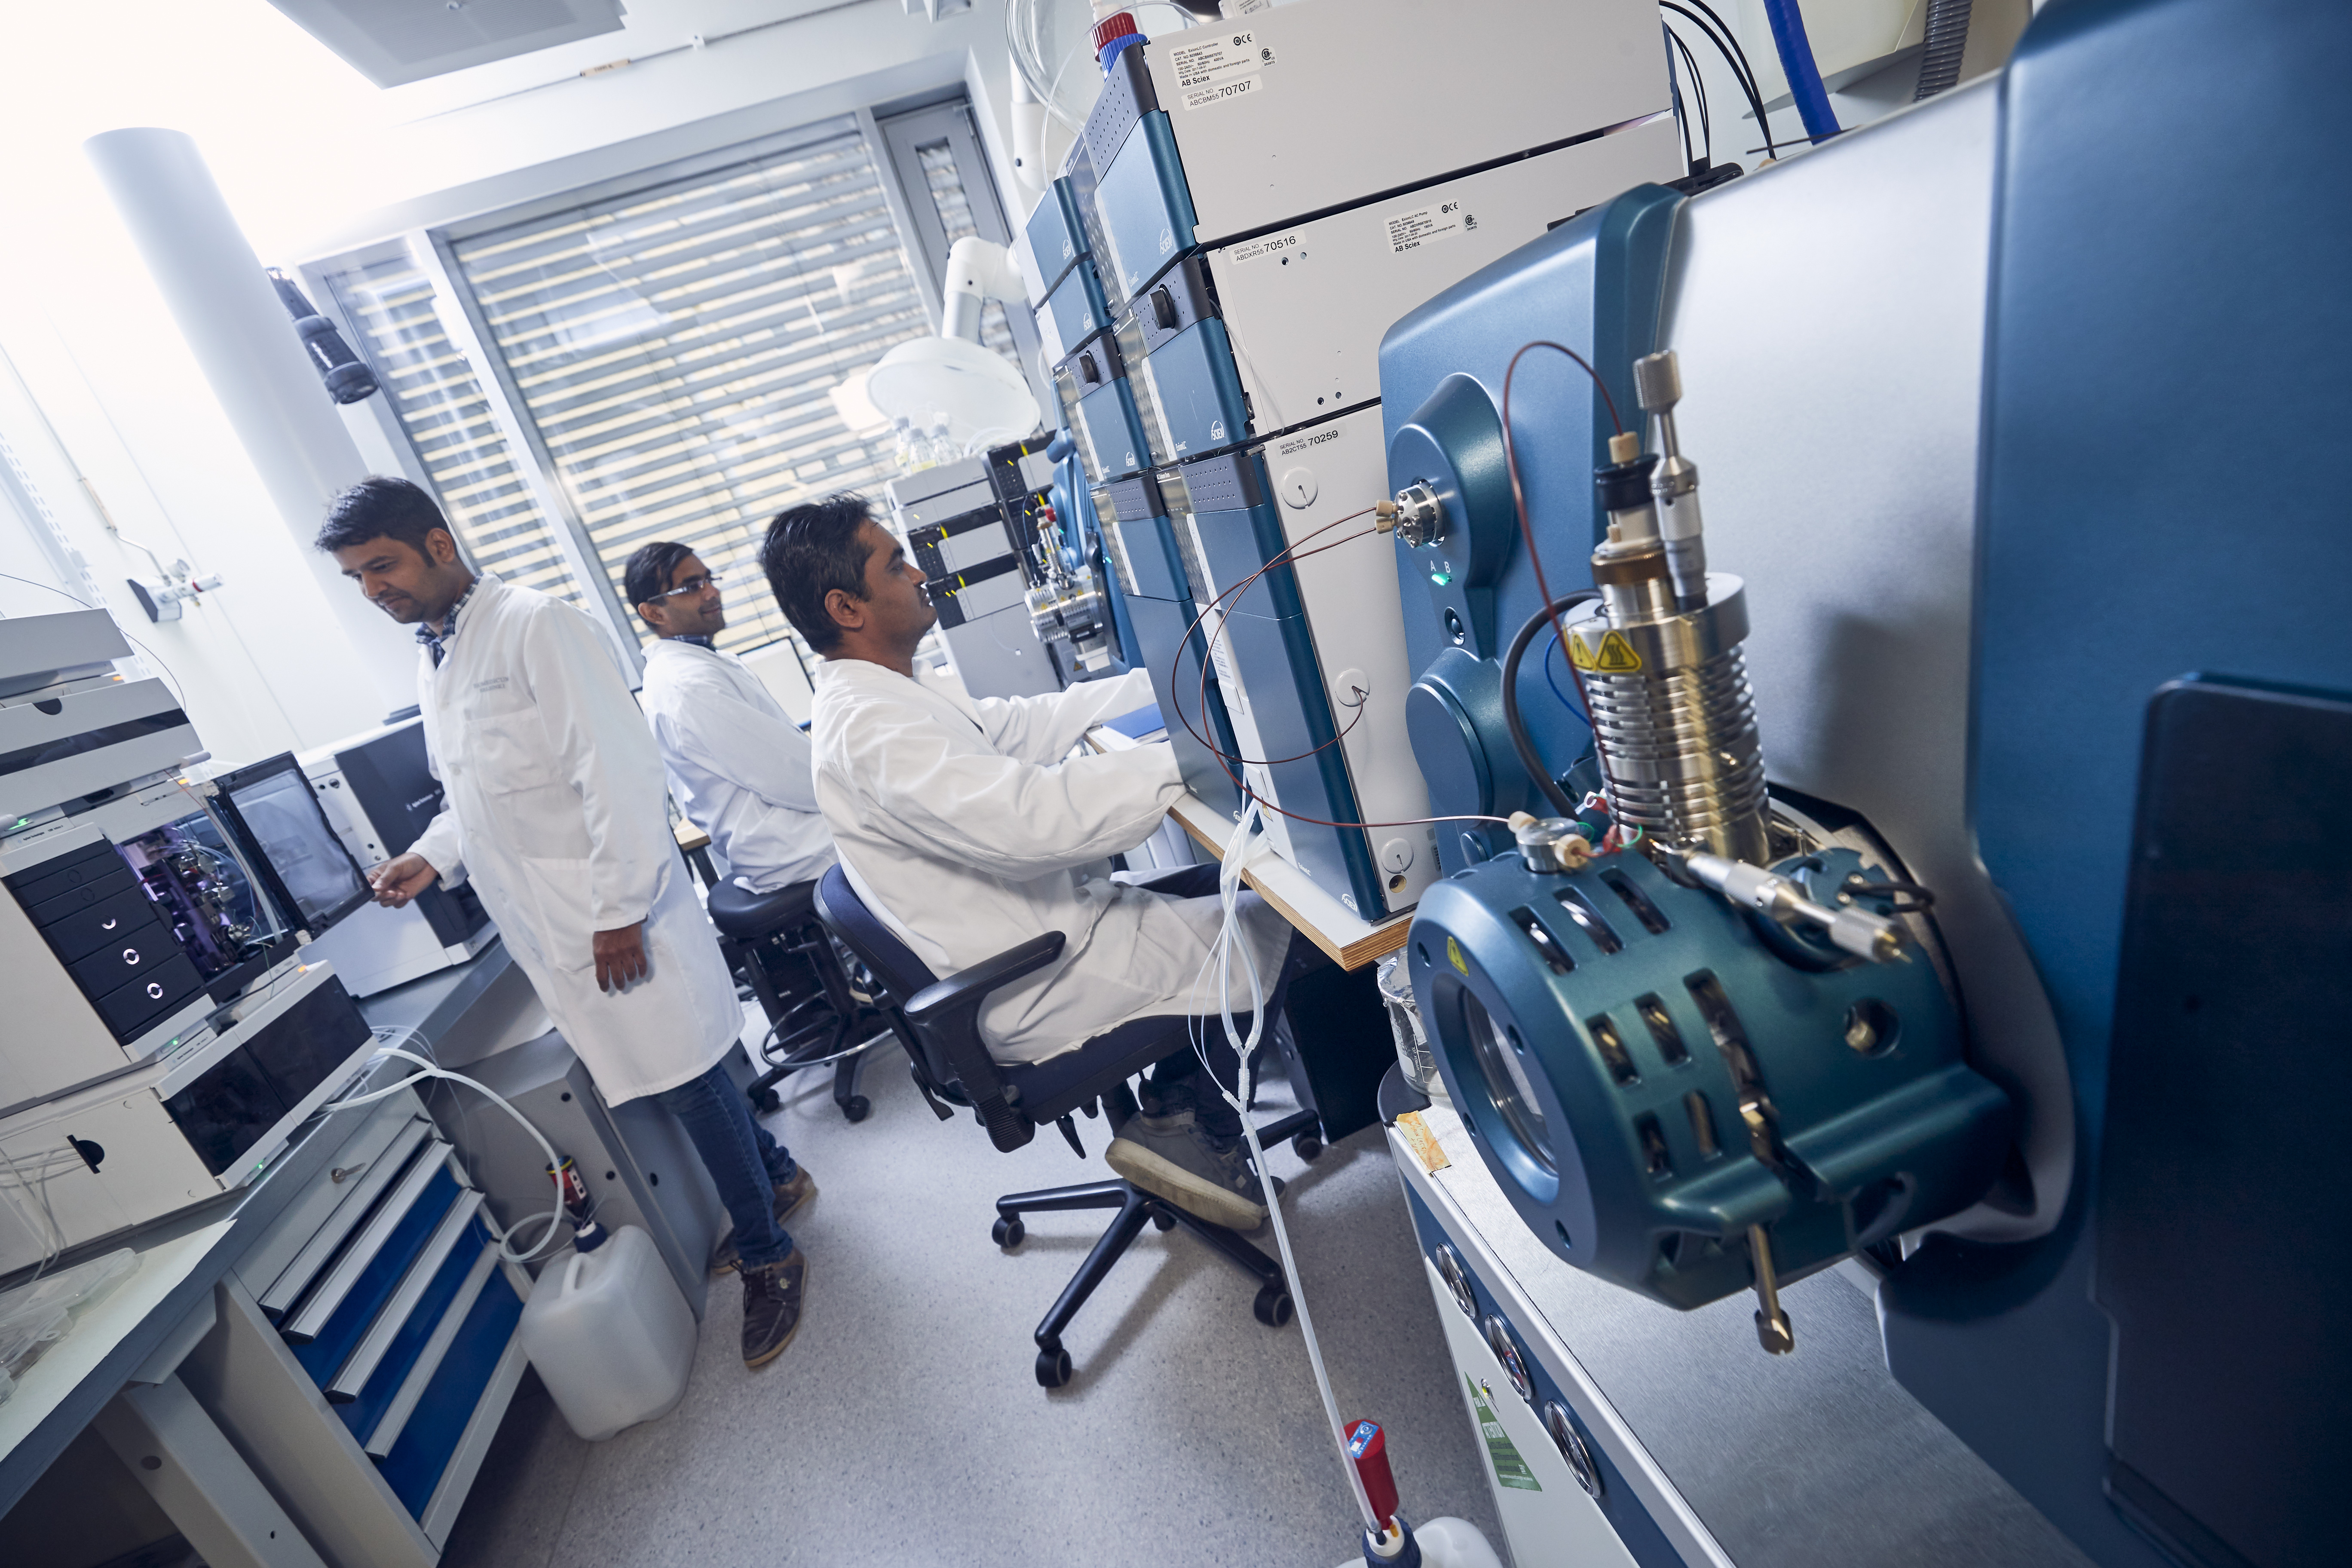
[69, 897]
[412, 1469]
[407, 1348]
[330, 1323]
[42, 890]
[380, 1165]
[134, 955]
[83, 929]
[24, 883]
[129, 1009]
[399, 1313]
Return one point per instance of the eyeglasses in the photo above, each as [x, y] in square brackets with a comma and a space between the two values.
[691, 587]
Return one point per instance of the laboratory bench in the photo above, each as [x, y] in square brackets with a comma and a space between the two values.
[187, 1369]
[1349, 940]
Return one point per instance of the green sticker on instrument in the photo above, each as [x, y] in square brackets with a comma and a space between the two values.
[1510, 1470]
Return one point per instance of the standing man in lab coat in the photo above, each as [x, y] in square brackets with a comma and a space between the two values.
[554, 810]
[740, 767]
[967, 827]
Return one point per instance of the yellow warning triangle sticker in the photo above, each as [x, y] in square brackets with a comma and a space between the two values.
[1616, 656]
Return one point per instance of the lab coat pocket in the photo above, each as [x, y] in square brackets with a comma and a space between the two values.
[559, 893]
[510, 756]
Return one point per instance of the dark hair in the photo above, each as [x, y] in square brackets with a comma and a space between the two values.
[382, 507]
[647, 576]
[810, 551]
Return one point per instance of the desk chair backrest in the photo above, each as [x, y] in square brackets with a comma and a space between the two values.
[953, 1062]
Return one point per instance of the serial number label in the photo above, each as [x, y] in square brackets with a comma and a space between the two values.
[1219, 70]
[1300, 443]
[1272, 245]
[1426, 225]
[1224, 91]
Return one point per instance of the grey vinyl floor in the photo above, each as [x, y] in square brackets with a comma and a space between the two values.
[904, 1424]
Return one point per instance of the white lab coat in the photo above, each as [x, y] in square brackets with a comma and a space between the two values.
[964, 824]
[741, 768]
[555, 813]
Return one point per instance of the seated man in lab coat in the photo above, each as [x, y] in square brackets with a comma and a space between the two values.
[966, 827]
[740, 767]
[554, 810]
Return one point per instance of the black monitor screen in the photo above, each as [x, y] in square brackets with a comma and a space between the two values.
[227, 1111]
[309, 1042]
[274, 803]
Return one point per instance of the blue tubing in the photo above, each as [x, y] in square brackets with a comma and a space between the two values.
[1797, 65]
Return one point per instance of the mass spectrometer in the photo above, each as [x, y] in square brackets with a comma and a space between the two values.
[1869, 899]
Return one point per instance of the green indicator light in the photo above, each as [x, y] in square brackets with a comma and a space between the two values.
[1441, 578]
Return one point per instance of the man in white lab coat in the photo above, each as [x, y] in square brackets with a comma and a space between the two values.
[554, 811]
[967, 828]
[742, 770]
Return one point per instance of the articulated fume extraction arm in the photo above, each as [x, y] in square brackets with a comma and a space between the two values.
[983, 398]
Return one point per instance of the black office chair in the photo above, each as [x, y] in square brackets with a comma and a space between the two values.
[1012, 1099]
[778, 944]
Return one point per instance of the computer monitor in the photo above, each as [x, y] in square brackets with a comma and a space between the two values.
[312, 876]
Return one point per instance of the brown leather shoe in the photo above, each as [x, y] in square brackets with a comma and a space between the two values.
[791, 1194]
[788, 1197]
[771, 1307]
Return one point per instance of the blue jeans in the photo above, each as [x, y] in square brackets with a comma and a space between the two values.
[744, 1161]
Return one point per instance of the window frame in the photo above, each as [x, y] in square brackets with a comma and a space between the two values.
[947, 113]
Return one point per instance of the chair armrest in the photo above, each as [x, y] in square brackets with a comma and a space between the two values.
[973, 983]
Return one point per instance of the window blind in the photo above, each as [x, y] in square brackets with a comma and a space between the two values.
[678, 349]
[441, 405]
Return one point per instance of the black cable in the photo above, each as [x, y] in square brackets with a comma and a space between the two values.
[1706, 120]
[1737, 60]
[1512, 722]
[1738, 54]
[1728, 47]
[1682, 112]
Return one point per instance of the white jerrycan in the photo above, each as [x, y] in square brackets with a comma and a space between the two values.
[611, 1335]
[1448, 1542]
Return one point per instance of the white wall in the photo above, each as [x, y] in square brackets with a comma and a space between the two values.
[305, 150]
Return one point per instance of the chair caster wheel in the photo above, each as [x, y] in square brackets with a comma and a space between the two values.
[1052, 1368]
[768, 1102]
[1162, 1220]
[1305, 1145]
[1007, 1231]
[1272, 1306]
[855, 1107]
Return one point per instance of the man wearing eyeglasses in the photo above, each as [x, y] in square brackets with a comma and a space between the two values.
[742, 770]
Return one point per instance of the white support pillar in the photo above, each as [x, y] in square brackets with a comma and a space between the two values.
[245, 342]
